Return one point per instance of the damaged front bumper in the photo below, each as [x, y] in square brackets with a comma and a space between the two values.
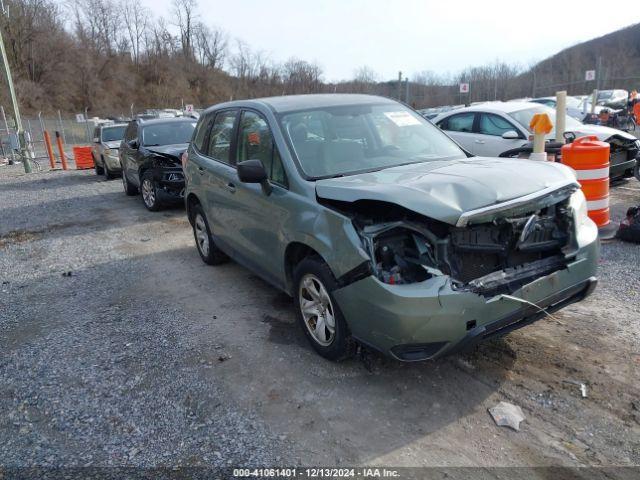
[432, 318]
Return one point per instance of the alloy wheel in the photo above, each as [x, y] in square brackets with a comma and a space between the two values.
[317, 309]
[148, 193]
[202, 235]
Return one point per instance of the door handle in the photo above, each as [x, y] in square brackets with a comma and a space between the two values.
[201, 170]
[231, 187]
[479, 141]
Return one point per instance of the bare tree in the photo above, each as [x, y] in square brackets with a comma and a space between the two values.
[211, 46]
[184, 13]
[136, 18]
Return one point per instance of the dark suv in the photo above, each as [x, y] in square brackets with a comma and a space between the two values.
[150, 156]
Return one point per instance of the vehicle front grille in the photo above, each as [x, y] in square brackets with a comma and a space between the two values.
[479, 250]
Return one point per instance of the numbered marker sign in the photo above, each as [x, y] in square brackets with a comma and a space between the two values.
[79, 117]
[464, 88]
[188, 108]
[590, 75]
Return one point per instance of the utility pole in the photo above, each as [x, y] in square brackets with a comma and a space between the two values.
[399, 86]
[24, 153]
[406, 96]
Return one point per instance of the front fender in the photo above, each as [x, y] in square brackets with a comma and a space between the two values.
[333, 236]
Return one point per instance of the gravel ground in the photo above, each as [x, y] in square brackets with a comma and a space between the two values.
[91, 374]
[119, 347]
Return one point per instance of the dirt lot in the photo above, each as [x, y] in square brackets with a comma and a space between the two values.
[118, 346]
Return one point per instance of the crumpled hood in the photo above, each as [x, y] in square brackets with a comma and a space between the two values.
[445, 190]
[170, 151]
[603, 133]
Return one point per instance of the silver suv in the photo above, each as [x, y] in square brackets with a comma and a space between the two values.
[106, 141]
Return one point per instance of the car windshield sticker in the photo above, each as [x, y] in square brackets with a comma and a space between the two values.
[402, 119]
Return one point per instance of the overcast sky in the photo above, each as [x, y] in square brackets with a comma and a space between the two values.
[410, 35]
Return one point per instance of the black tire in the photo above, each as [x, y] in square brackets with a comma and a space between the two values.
[636, 171]
[211, 255]
[129, 188]
[108, 174]
[342, 345]
[99, 169]
[149, 192]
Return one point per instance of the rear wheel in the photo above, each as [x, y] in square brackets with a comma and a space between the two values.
[149, 191]
[209, 252]
[129, 188]
[318, 312]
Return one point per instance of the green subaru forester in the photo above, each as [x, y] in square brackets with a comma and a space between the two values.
[382, 229]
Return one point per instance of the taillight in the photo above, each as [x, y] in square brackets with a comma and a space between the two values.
[183, 158]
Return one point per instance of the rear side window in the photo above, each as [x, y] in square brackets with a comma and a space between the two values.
[221, 135]
[202, 129]
[491, 124]
[462, 122]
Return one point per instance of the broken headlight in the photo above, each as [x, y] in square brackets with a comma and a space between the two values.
[401, 256]
[578, 204]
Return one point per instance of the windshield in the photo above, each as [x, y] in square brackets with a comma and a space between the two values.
[167, 133]
[351, 139]
[605, 94]
[112, 134]
[523, 117]
[573, 102]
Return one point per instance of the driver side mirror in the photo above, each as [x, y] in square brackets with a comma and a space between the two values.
[96, 140]
[510, 135]
[252, 171]
[133, 144]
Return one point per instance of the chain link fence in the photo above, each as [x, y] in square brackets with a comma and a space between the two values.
[72, 133]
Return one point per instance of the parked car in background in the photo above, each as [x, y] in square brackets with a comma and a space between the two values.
[150, 156]
[574, 106]
[615, 99]
[381, 228]
[497, 127]
[432, 112]
[106, 144]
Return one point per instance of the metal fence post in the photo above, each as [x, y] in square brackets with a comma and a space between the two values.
[64, 138]
[6, 126]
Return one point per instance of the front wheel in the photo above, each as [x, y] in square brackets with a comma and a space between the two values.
[318, 312]
[149, 192]
[108, 174]
[99, 169]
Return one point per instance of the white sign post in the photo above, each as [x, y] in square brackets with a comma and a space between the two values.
[590, 75]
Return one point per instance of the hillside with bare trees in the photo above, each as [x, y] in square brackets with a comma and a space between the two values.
[112, 56]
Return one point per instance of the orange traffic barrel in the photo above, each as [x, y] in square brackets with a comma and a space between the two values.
[589, 157]
[83, 157]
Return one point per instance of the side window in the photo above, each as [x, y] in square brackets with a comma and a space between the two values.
[462, 122]
[491, 124]
[201, 131]
[221, 134]
[256, 142]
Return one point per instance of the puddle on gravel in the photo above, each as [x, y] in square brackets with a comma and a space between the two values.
[284, 332]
